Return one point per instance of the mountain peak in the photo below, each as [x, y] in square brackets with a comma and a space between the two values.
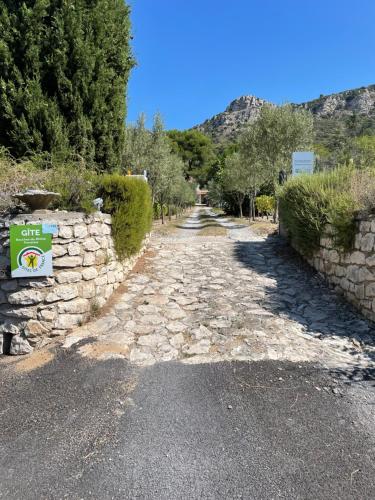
[245, 109]
[227, 125]
[245, 102]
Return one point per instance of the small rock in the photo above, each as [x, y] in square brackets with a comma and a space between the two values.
[356, 343]
[201, 332]
[177, 340]
[68, 277]
[25, 297]
[19, 346]
[201, 347]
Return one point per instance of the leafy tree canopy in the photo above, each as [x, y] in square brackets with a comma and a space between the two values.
[196, 151]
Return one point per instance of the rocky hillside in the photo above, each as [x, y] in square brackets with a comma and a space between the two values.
[226, 125]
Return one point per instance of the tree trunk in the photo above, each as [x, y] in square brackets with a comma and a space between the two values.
[253, 205]
[162, 212]
[276, 211]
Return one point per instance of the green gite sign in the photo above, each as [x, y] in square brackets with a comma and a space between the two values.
[31, 250]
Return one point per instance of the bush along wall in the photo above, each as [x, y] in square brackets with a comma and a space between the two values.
[309, 202]
[129, 202]
[324, 225]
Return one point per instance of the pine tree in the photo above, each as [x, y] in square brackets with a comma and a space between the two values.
[64, 67]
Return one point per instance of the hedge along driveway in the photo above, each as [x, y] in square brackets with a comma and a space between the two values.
[129, 202]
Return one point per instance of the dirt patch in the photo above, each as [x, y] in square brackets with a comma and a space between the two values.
[142, 263]
[169, 226]
[261, 227]
[33, 361]
[214, 230]
[264, 227]
[104, 350]
[139, 268]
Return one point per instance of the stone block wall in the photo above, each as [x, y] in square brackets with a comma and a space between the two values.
[352, 274]
[86, 272]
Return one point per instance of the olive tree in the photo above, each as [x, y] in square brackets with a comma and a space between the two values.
[273, 137]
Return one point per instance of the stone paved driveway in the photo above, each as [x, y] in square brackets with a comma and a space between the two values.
[217, 298]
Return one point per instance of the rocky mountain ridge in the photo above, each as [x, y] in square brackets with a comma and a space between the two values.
[227, 125]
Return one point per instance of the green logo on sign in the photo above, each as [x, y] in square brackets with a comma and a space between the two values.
[30, 250]
[31, 259]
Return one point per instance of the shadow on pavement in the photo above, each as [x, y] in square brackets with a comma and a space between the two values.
[197, 227]
[209, 220]
[298, 293]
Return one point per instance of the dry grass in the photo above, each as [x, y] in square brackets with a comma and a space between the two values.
[212, 230]
[166, 229]
[264, 228]
[170, 226]
[362, 188]
[210, 226]
[16, 177]
[261, 227]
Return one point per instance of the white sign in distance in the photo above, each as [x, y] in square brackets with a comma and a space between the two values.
[303, 162]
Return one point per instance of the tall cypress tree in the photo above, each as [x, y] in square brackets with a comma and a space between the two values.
[64, 67]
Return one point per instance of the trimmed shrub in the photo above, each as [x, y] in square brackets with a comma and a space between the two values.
[128, 200]
[265, 204]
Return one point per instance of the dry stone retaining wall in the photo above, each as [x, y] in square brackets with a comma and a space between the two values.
[353, 273]
[86, 272]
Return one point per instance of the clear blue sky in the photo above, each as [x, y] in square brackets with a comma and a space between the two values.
[195, 56]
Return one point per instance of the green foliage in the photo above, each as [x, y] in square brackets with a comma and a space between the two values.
[340, 213]
[128, 200]
[159, 211]
[152, 151]
[272, 138]
[309, 202]
[265, 204]
[363, 151]
[265, 147]
[137, 148]
[339, 140]
[216, 194]
[196, 151]
[76, 183]
[234, 178]
[64, 68]
[15, 177]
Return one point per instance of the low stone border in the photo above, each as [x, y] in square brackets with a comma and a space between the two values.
[352, 274]
[86, 272]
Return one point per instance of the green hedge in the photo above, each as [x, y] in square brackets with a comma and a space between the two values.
[309, 202]
[128, 200]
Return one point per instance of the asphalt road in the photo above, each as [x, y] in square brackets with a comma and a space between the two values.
[78, 428]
